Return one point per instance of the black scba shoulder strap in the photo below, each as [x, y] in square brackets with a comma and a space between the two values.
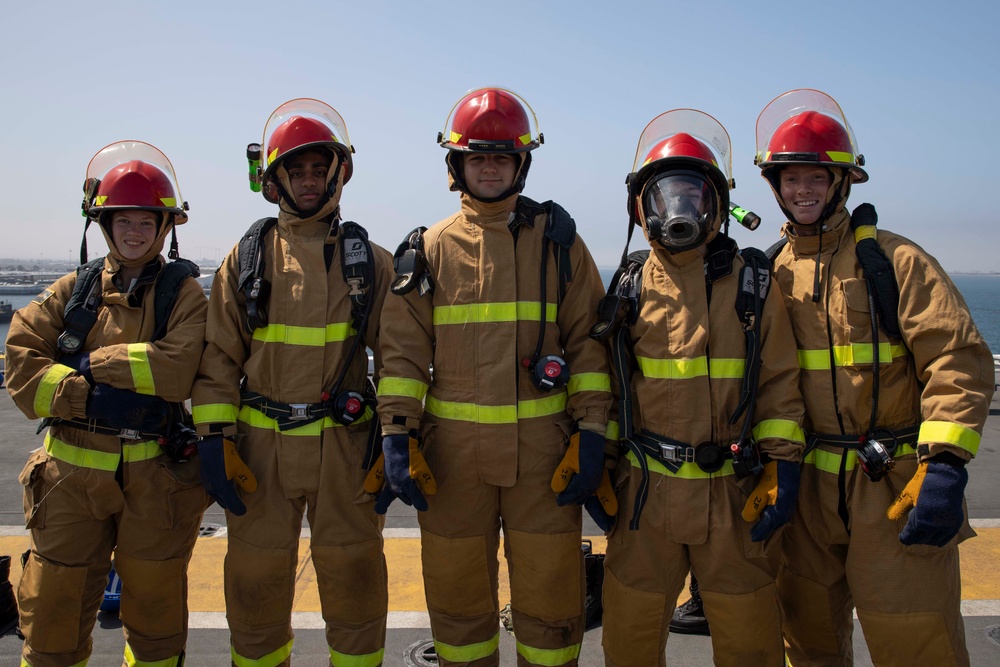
[80, 313]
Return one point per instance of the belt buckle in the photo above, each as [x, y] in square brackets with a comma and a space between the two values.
[298, 411]
[129, 434]
[676, 453]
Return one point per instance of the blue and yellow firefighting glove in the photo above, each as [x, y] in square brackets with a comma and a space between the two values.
[406, 470]
[128, 410]
[580, 472]
[375, 486]
[603, 505]
[80, 362]
[773, 499]
[934, 495]
[222, 470]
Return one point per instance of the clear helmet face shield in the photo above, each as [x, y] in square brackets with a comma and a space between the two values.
[678, 209]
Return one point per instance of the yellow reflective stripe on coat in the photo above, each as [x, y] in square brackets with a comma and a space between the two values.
[84, 457]
[611, 431]
[309, 336]
[950, 433]
[779, 428]
[686, 471]
[468, 652]
[215, 413]
[47, 387]
[142, 373]
[588, 382]
[496, 414]
[131, 660]
[548, 657]
[686, 369]
[830, 461]
[257, 419]
[855, 354]
[272, 659]
[338, 659]
[508, 311]
[402, 387]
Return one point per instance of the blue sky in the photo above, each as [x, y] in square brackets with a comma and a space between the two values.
[918, 81]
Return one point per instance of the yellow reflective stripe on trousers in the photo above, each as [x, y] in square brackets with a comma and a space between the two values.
[47, 387]
[830, 461]
[548, 657]
[402, 387]
[257, 419]
[272, 659]
[82, 663]
[132, 661]
[496, 414]
[950, 433]
[310, 336]
[468, 652]
[686, 369]
[507, 311]
[346, 660]
[686, 471]
[215, 413]
[588, 382]
[97, 460]
[779, 428]
[855, 354]
[142, 374]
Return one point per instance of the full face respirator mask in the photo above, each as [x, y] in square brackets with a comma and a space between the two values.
[678, 208]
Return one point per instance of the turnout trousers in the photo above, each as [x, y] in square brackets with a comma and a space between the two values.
[841, 552]
[300, 473]
[147, 512]
[690, 521]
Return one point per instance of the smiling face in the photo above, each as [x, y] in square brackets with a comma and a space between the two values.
[307, 172]
[804, 190]
[489, 175]
[134, 232]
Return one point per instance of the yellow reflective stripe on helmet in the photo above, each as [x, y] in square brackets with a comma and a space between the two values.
[841, 156]
[142, 373]
[215, 413]
[257, 419]
[855, 354]
[468, 652]
[402, 387]
[589, 382]
[673, 369]
[272, 659]
[726, 368]
[507, 311]
[131, 660]
[309, 336]
[779, 428]
[865, 232]
[548, 657]
[496, 414]
[686, 471]
[950, 433]
[47, 387]
[830, 461]
[338, 659]
[79, 456]
[611, 431]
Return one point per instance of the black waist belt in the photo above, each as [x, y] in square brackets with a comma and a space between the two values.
[95, 426]
[891, 438]
[288, 415]
[709, 456]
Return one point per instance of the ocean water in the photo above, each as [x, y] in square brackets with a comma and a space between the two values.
[981, 292]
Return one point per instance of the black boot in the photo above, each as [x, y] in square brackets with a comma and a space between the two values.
[689, 618]
[8, 604]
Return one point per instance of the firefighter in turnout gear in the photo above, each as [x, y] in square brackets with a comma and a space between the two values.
[284, 402]
[508, 432]
[897, 384]
[710, 412]
[107, 361]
